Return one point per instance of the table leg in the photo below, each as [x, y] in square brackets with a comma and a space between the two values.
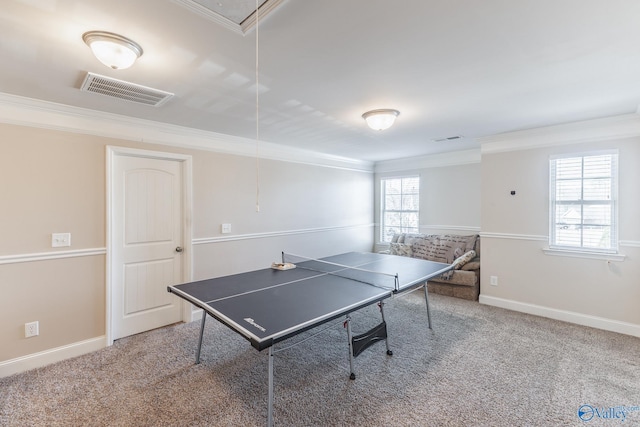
[426, 298]
[349, 335]
[386, 339]
[270, 402]
[204, 317]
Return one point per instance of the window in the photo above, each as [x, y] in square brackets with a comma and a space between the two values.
[400, 204]
[583, 202]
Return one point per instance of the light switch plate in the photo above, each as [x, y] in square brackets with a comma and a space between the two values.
[59, 240]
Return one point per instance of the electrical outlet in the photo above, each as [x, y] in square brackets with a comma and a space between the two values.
[60, 239]
[31, 329]
[225, 228]
[493, 280]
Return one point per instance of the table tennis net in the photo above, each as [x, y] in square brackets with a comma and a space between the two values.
[358, 273]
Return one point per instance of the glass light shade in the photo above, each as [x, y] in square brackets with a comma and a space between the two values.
[380, 119]
[112, 50]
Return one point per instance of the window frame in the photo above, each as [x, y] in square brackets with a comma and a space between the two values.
[383, 206]
[554, 246]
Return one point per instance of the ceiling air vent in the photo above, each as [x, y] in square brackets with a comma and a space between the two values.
[124, 90]
[449, 138]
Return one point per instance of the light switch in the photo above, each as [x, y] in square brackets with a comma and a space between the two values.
[60, 239]
[226, 228]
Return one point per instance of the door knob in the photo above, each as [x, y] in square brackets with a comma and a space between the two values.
[179, 249]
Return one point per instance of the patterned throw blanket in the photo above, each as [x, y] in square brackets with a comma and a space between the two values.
[446, 248]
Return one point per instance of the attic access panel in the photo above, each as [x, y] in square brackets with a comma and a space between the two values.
[237, 15]
[236, 11]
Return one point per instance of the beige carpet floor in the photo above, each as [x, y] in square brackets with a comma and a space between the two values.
[480, 366]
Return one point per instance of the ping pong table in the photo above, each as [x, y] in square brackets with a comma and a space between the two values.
[273, 304]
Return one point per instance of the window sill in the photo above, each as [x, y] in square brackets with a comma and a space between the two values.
[584, 254]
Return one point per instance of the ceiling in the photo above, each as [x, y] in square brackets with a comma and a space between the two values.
[451, 67]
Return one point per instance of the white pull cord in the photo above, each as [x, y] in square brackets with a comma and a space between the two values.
[257, 112]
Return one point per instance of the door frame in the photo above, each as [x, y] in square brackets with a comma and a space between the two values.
[187, 208]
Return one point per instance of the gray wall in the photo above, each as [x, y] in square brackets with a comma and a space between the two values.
[450, 197]
[462, 196]
[54, 181]
[600, 292]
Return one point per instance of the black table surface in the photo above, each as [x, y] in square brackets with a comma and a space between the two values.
[266, 306]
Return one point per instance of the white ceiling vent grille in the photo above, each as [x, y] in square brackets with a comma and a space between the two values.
[124, 90]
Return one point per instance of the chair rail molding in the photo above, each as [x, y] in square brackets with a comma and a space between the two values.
[272, 234]
[43, 256]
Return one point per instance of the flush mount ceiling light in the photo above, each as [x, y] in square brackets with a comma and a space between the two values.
[113, 50]
[380, 119]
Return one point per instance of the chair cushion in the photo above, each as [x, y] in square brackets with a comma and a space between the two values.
[462, 260]
[400, 249]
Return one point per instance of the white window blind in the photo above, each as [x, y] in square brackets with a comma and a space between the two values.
[583, 202]
[400, 205]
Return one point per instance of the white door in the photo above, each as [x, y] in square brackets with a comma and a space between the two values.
[147, 242]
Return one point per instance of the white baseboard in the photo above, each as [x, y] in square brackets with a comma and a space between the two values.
[196, 314]
[563, 315]
[43, 358]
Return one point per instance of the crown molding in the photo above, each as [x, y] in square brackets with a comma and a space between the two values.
[31, 112]
[453, 158]
[264, 10]
[608, 128]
